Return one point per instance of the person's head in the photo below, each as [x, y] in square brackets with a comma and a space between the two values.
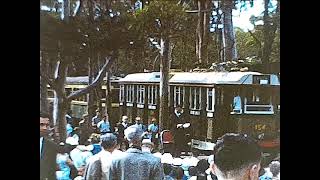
[125, 119]
[105, 117]
[153, 120]
[179, 109]
[236, 156]
[98, 112]
[134, 135]
[167, 168]
[138, 120]
[275, 168]
[108, 141]
[178, 172]
[94, 138]
[147, 145]
[44, 124]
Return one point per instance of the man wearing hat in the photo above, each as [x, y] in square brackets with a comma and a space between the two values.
[147, 146]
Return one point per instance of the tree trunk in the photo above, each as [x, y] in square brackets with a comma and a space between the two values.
[91, 97]
[43, 86]
[199, 32]
[108, 106]
[60, 104]
[91, 74]
[228, 31]
[269, 31]
[206, 20]
[164, 83]
[171, 46]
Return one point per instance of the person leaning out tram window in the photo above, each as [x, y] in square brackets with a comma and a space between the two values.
[237, 104]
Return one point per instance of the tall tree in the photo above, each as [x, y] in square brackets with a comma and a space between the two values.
[67, 40]
[270, 26]
[230, 52]
[163, 20]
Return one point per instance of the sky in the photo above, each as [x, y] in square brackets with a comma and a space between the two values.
[241, 19]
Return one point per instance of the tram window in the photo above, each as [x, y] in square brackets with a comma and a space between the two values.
[195, 98]
[140, 94]
[121, 94]
[130, 93]
[152, 94]
[258, 96]
[178, 96]
[210, 99]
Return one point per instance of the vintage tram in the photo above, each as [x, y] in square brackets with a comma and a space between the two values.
[216, 102]
[79, 105]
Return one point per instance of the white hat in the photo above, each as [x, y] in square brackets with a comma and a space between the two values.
[166, 158]
[177, 162]
[147, 141]
[157, 154]
[72, 141]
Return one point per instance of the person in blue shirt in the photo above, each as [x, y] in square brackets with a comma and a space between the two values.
[153, 129]
[104, 125]
[69, 130]
[140, 124]
[64, 162]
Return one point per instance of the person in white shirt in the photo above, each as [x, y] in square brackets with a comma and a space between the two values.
[99, 165]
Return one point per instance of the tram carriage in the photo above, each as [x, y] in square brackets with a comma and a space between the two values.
[79, 105]
[216, 102]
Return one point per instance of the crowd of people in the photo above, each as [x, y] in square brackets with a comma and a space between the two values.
[129, 151]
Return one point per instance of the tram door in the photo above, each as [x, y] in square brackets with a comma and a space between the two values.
[222, 121]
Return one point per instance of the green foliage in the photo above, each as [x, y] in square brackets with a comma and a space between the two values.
[248, 46]
[161, 18]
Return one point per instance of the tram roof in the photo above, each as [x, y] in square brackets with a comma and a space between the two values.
[85, 79]
[199, 78]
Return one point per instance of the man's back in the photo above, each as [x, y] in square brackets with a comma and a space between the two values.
[136, 165]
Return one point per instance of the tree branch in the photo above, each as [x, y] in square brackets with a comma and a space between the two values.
[96, 81]
[78, 11]
[48, 80]
[255, 37]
